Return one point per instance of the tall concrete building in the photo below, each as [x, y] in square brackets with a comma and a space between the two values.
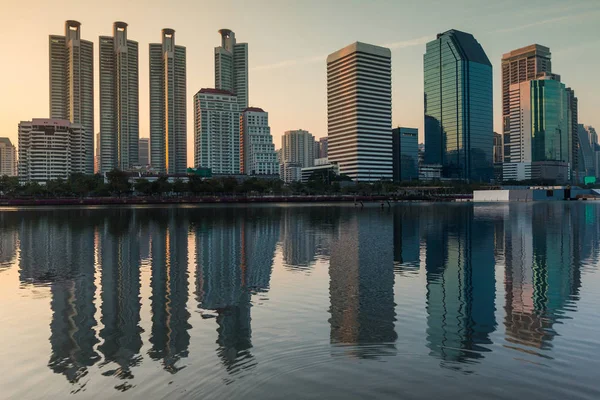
[8, 157]
[359, 111]
[257, 151]
[217, 131]
[72, 88]
[168, 113]
[520, 65]
[298, 147]
[459, 119]
[47, 149]
[144, 152]
[231, 67]
[119, 100]
[322, 148]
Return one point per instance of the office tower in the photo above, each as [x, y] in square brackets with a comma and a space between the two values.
[573, 121]
[144, 152]
[72, 89]
[498, 148]
[257, 151]
[405, 146]
[119, 100]
[520, 65]
[359, 111]
[217, 131]
[322, 148]
[298, 147]
[459, 107]
[231, 67]
[47, 149]
[589, 149]
[168, 114]
[8, 157]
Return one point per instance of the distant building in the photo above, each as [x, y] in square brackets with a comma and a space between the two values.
[557, 172]
[8, 157]
[573, 121]
[298, 147]
[589, 151]
[322, 166]
[459, 107]
[430, 172]
[257, 151]
[322, 148]
[72, 89]
[217, 131]
[97, 155]
[359, 111]
[144, 152]
[405, 145]
[498, 148]
[231, 67]
[119, 100]
[290, 172]
[46, 149]
[168, 102]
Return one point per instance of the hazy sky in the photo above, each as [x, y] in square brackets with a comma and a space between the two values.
[288, 44]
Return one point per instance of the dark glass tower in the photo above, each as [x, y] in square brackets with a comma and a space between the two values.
[459, 107]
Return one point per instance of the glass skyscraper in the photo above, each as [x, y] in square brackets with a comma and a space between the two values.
[405, 154]
[459, 107]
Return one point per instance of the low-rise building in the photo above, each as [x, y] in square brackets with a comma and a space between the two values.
[322, 165]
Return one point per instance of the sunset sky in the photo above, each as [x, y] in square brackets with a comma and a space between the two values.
[288, 44]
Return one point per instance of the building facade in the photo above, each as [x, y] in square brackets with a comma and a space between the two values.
[8, 157]
[231, 67]
[359, 111]
[216, 131]
[298, 146]
[257, 151]
[498, 148]
[168, 112]
[119, 100]
[144, 152]
[72, 88]
[589, 150]
[459, 107]
[47, 149]
[405, 144]
[322, 148]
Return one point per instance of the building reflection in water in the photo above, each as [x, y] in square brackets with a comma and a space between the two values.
[407, 252]
[361, 287]
[9, 222]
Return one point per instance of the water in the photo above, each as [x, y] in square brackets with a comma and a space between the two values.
[322, 301]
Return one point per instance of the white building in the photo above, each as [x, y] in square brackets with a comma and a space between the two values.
[359, 111]
[47, 149]
[290, 172]
[217, 131]
[516, 171]
[298, 146]
[257, 151]
[8, 157]
[322, 165]
[168, 112]
[231, 67]
[119, 100]
[72, 88]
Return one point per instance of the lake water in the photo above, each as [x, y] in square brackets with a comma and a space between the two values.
[416, 301]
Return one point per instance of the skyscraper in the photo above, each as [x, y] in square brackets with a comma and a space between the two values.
[359, 111]
[573, 121]
[257, 151]
[231, 67]
[298, 147]
[72, 88]
[459, 107]
[8, 157]
[168, 125]
[322, 148]
[498, 148]
[144, 152]
[217, 131]
[405, 154]
[119, 100]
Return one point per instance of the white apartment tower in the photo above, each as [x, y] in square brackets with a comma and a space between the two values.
[216, 131]
[8, 157]
[72, 88]
[231, 67]
[48, 149]
[119, 100]
[257, 151]
[298, 147]
[359, 111]
[168, 126]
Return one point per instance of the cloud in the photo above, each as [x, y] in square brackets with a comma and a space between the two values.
[548, 21]
[321, 59]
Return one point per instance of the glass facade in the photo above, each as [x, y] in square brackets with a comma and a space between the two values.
[459, 107]
[405, 154]
[550, 129]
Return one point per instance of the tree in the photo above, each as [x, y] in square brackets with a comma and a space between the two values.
[9, 185]
[179, 187]
[162, 185]
[118, 182]
[143, 186]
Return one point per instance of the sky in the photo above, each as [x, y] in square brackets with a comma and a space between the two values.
[289, 41]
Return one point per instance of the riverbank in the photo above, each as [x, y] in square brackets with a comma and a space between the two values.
[94, 201]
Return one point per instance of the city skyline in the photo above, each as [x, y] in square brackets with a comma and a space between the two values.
[303, 58]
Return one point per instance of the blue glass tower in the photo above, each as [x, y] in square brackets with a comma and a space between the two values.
[459, 107]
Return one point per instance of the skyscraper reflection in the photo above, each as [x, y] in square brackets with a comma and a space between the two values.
[406, 240]
[8, 238]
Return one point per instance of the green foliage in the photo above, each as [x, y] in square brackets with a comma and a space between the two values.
[118, 182]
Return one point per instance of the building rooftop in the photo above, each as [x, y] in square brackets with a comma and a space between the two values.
[359, 47]
[527, 51]
[254, 109]
[468, 45]
[5, 141]
[216, 91]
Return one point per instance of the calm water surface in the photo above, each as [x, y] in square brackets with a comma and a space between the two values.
[317, 302]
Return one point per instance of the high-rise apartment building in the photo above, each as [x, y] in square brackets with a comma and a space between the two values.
[119, 100]
[8, 157]
[72, 88]
[322, 148]
[405, 144]
[231, 67]
[459, 107]
[48, 149]
[520, 65]
[168, 113]
[498, 148]
[298, 147]
[257, 151]
[359, 111]
[573, 120]
[144, 152]
[589, 148]
[217, 131]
